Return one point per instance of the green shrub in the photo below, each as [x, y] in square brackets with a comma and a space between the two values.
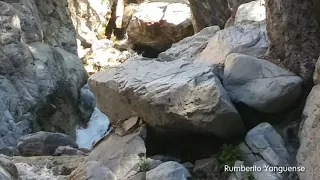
[249, 175]
[144, 167]
[229, 155]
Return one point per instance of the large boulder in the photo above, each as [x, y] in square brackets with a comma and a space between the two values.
[39, 84]
[252, 12]
[263, 140]
[260, 84]
[168, 93]
[308, 153]
[121, 154]
[43, 143]
[169, 171]
[92, 170]
[165, 94]
[263, 147]
[248, 39]
[159, 24]
[190, 47]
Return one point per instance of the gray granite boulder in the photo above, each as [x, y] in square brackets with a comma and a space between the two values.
[43, 143]
[260, 84]
[169, 171]
[92, 170]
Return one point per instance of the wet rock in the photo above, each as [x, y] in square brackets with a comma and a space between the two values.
[87, 101]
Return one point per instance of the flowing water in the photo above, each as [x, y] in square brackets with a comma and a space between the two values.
[97, 127]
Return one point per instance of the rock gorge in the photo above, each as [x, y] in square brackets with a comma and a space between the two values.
[155, 89]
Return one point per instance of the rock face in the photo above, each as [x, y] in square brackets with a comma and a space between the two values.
[307, 155]
[89, 18]
[169, 171]
[252, 12]
[159, 24]
[63, 95]
[165, 94]
[38, 83]
[43, 143]
[56, 25]
[82, 19]
[249, 39]
[260, 84]
[122, 155]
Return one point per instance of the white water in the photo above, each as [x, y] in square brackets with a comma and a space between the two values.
[97, 127]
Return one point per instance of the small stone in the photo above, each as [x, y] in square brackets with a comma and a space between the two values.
[205, 167]
[169, 171]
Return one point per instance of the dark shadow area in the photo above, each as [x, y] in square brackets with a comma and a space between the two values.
[252, 117]
[146, 51]
[187, 147]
